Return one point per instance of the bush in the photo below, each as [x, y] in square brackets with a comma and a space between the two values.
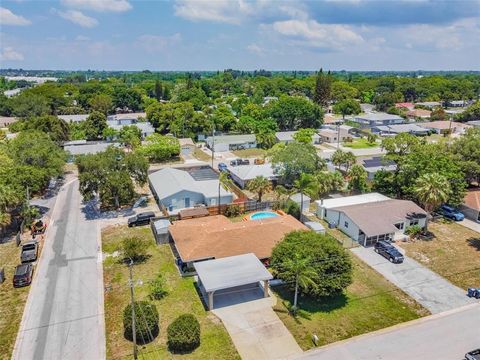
[292, 208]
[413, 230]
[232, 211]
[146, 324]
[183, 334]
[158, 288]
[134, 248]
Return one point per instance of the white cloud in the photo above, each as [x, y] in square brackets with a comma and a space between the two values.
[9, 18]
[9, 54]
[226, 11]
[256, 49]
[82, 38]
[312, 33]
[99, 5]
[157, 43]
[79, 18]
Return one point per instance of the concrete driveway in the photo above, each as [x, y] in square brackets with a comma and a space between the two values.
[475, 226]
[430, 289]
[255, 329]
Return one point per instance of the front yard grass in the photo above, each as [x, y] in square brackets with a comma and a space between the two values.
[245, 153]
[454, 253]
[370, 303]
[12, 299]
[182, 298]
[360, 144]
[201, 155]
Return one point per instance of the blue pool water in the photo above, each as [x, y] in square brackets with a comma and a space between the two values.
[263, 215]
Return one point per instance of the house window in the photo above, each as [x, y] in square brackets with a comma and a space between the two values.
[346, 224]
[325, 213]
[413, 222]
[399, 226]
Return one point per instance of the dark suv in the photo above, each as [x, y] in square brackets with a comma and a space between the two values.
[238, 162]
[29, 251]
[141, 219]
[473, 355]
[23, 275]
[388, 251]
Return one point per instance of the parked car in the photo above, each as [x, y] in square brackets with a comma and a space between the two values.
[141, 219]
[237, 162]
[473, 355]
[23, 275]
[244, 162]
[451, 213]
[29, 251]
[388, 251]
[222, 167]
[473, 292]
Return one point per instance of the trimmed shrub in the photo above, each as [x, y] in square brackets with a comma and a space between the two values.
[134, 248]
[232, 211]
[146, 324]
[183, 334]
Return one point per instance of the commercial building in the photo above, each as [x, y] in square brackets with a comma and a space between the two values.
[231, 142]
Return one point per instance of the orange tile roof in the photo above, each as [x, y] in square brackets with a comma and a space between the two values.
[218, 237]
[472, 199]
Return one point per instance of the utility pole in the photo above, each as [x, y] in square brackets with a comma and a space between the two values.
[338, 136]
[213, 143]
[134, 334]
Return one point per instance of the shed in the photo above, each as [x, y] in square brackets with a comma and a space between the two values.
[315, 226]
[298, 199]
[231, 272]
[160, 230]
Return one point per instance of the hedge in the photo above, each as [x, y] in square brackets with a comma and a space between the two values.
[146, 325]
[183, 334]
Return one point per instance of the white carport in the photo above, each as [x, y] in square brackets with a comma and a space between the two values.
[231, 272]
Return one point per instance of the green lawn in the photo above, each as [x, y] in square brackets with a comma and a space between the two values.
[370, 303]
[255, 152]
[182, 298]
[200, 155]
[360, 144]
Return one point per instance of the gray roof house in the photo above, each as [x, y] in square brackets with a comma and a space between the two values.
[181, 188]
[392, 130]
[375, 119]
[474, 123]
[84, 147]
[287, 137]
[118, 121]
[376, 163]
[231, 142]
[73, 118]
[245, 173]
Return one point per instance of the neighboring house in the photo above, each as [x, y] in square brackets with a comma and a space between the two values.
[459, 103]
[471, 205]
[118, 121]
[243, 174]
[181, 188]
[297, 198]
[84, 147]
[374, 164]
[392, 130]
[405, 105]
[231, 142]
[429, 104]
[13, 92]
[287, 137]
[375, 119]
[474, 123]
[329, 119]
[215, 237]
[331, 134]
[325, 204]
[73, 118]
[369, 222]
[419, 114]
[6, 120]
[445, 126]
[187, 146]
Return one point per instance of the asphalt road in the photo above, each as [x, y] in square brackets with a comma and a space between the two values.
[445, 336]
[63, 317]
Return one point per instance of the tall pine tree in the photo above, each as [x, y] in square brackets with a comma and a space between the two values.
[323, 88]
[158, 90]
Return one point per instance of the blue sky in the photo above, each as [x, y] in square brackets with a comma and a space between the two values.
[240, 34]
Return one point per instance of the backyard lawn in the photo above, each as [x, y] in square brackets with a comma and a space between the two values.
[182, 298]
[245, 153]
[454, 253]
[360, 144]
[369, 304]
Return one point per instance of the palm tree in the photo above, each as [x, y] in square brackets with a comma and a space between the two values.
[357, 179]
[306, 182]
[259, 185]
[281, 192]
[302, 271]
[224, 182]
[326, 182]
[432, 190]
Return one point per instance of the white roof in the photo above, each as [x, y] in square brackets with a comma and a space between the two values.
[314, 225]
[232, 139]
[170, 181]
[73, 118]
[401, 128]
[351, 200]
[145, 127]
[161, 226]
[231, 271]
[298, 197]
[249, 172]
[379, 117]
[288, 135]
[134, 116]
[88, 148]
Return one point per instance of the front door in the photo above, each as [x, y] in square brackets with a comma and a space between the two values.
[187, 202]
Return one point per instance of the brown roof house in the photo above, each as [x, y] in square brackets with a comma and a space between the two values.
[445, 126]
[370, 222]
[471, 205]
[215, 237]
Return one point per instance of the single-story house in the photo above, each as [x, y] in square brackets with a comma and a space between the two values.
[405, 105]
[474, 123]
[7, 120]
[231, 142]
[459, 103]
[429, 104]
[84, 147]
[287, 137]
[297, 198]
[330, 134]
[370, 222]
[471, 205]
[330, 119]
[187, 146]
[12, 92]
[445, 126]
[241, 273]
[216, 237]
[419, 114]
[376, 163]
[118, 121]
[324, 205]
[375, 119]
[180, 188]
[392, 130]
[242, 175]
[73, 118]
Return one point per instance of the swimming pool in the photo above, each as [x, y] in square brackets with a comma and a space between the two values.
[263, 215]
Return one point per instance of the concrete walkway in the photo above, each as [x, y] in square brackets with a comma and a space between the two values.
[256, 330]
[475, 226]
[428, 288]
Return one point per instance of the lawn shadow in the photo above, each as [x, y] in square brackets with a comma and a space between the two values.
[474, 242]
